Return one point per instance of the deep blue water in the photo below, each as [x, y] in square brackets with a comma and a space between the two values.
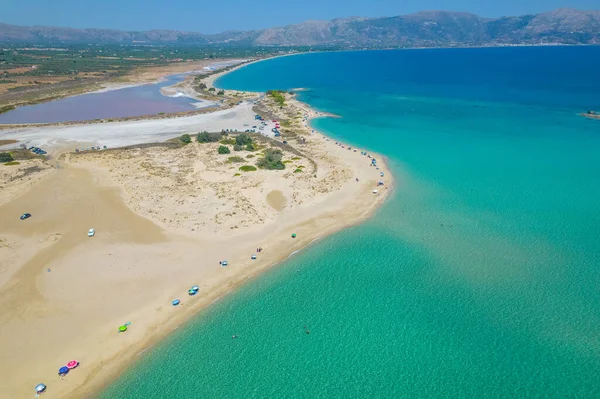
[480, 277]
[130, 101]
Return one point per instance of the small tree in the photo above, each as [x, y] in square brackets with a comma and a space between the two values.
[6, 157]
[243, 139]
[221, 93]
[211, 89]
[223, 150]
[186, 139]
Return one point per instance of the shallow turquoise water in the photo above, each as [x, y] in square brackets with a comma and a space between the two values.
[480, 277]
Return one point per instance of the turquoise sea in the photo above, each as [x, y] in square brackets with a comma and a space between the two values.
[479, 278]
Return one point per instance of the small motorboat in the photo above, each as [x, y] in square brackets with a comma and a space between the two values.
[91, 232]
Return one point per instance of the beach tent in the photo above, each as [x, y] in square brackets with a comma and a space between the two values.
[63, 370]
[39, 388]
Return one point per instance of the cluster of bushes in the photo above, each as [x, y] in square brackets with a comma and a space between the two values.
[205, 137]
[5, 157]
[271, 160]
[242, 141]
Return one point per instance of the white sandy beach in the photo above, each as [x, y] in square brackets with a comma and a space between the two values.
[164, 219]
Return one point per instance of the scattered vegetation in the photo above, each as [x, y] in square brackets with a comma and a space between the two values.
[186, 139]
[12, 163]
[205, 137]
[5, 157]
[247, 168]
[250, 147]
[237, 174]
[298, 170]
[271, 160]
[287, 161]
[221, 93]
[250, 156]
[227, 142]
[237, 147]
[296, 159]
[277, 96]
[223, 150]
[236, 159]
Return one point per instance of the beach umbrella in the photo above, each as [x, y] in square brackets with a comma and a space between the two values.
[176, 302]
[195, 288]
[63, 370]
[39, 388]
[122, 328]
[72, 364]
[294, 235]
[191, 292]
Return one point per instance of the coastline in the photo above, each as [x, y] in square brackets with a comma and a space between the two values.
[340, 209]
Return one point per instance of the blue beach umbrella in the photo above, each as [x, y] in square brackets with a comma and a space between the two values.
[63, 370]
[195, 288]
[176, 302]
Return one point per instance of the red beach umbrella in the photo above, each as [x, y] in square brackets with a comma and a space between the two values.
[72, 364]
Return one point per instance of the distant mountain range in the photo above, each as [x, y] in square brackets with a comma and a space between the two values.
[423, 29]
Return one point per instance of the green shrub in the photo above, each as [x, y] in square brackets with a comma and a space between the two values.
[237, 174]
[223, 150]
[205, 137]
[221, 93]
[237, 147]
[298, 170]
[296, 159]
[186, 139]
[250, 156]
[236, 159]
[248, 168]
[250, 147]
[287, 161]
[5, 157]
[272, 160]
[12, 163]
[211, 89]
[243, 139]
[228, 141]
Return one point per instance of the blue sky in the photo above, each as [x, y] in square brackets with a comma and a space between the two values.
[219, 15]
